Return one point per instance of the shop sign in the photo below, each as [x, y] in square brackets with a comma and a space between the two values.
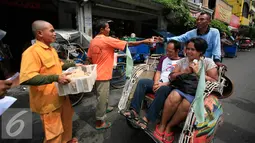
[22, 3]
[223, 11]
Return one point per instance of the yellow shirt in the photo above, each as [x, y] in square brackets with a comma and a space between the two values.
[43, 60]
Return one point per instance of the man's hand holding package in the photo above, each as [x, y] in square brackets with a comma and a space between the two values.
[63, 79]
[148, 41]
[158, 39]
[4, 86]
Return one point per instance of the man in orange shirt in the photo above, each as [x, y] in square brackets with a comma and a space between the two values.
[101, 52]
[40, 68]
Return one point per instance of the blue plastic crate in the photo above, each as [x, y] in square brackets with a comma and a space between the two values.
[132, 49]
[230, 51]
[140, 49]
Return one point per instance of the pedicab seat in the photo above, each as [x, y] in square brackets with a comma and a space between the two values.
[224, 90]
[150, 96]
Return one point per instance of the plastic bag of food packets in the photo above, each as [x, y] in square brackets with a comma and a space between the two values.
[82, 80]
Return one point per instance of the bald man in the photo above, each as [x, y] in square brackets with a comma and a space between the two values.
[40, 68]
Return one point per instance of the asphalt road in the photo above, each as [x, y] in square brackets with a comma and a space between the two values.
[239, 112]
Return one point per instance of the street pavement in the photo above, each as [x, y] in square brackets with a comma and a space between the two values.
[239, 111]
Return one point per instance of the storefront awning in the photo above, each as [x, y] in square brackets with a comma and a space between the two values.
[235, 21]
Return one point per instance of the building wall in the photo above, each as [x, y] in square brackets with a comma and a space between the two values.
[66, 15]
[238, 10]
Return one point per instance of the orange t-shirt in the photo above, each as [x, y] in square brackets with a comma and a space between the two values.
[101, 52]
[43, 60]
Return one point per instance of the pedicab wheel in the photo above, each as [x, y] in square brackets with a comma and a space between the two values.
[76, 98]
[228, 89]
[118, 80]
[119, 85]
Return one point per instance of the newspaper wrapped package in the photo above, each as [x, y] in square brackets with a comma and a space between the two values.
[82, 80]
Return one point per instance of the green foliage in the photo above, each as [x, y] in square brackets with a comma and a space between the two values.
[247, 31]
[220, 26]
[178, 15]
[252, 33]
[180, 20]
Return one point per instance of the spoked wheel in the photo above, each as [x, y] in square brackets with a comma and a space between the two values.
[76, 98]
[119, 76]
[228, 89]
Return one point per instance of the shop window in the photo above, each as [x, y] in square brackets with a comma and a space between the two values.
[212, 4]
[196, 1]
[245, 10]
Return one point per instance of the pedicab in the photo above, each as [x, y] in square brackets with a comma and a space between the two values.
[192, 131]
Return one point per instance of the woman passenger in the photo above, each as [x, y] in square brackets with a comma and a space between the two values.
[178, 103]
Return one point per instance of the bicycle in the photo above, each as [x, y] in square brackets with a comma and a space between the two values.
[119, 72]
[71, 52]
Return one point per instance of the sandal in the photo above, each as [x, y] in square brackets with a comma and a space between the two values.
[109, 109]
[73, 140]
[157, 134]
[131, 116]
[167, 135]
[105, 125]
[140, 122]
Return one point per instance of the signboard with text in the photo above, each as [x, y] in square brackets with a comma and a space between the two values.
[31, 4]
[223, 11]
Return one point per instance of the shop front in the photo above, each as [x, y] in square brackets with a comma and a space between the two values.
[223, 11]
[139, 17]
[18, 15]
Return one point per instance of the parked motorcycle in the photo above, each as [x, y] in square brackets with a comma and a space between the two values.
[245, 44]
[72, 45]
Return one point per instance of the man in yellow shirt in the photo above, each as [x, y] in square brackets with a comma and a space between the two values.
[40, 68]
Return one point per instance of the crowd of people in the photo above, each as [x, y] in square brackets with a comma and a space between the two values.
[41, 67]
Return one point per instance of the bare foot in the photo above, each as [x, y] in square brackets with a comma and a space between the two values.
[73, 140]
[128, 113]
[161, 128]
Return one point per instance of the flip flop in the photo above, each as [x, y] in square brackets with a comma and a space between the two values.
[105, 125]
[109, 109]
[157, 134]
[73, 140]
[131, 116]
[141, 121]
[171, 134]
